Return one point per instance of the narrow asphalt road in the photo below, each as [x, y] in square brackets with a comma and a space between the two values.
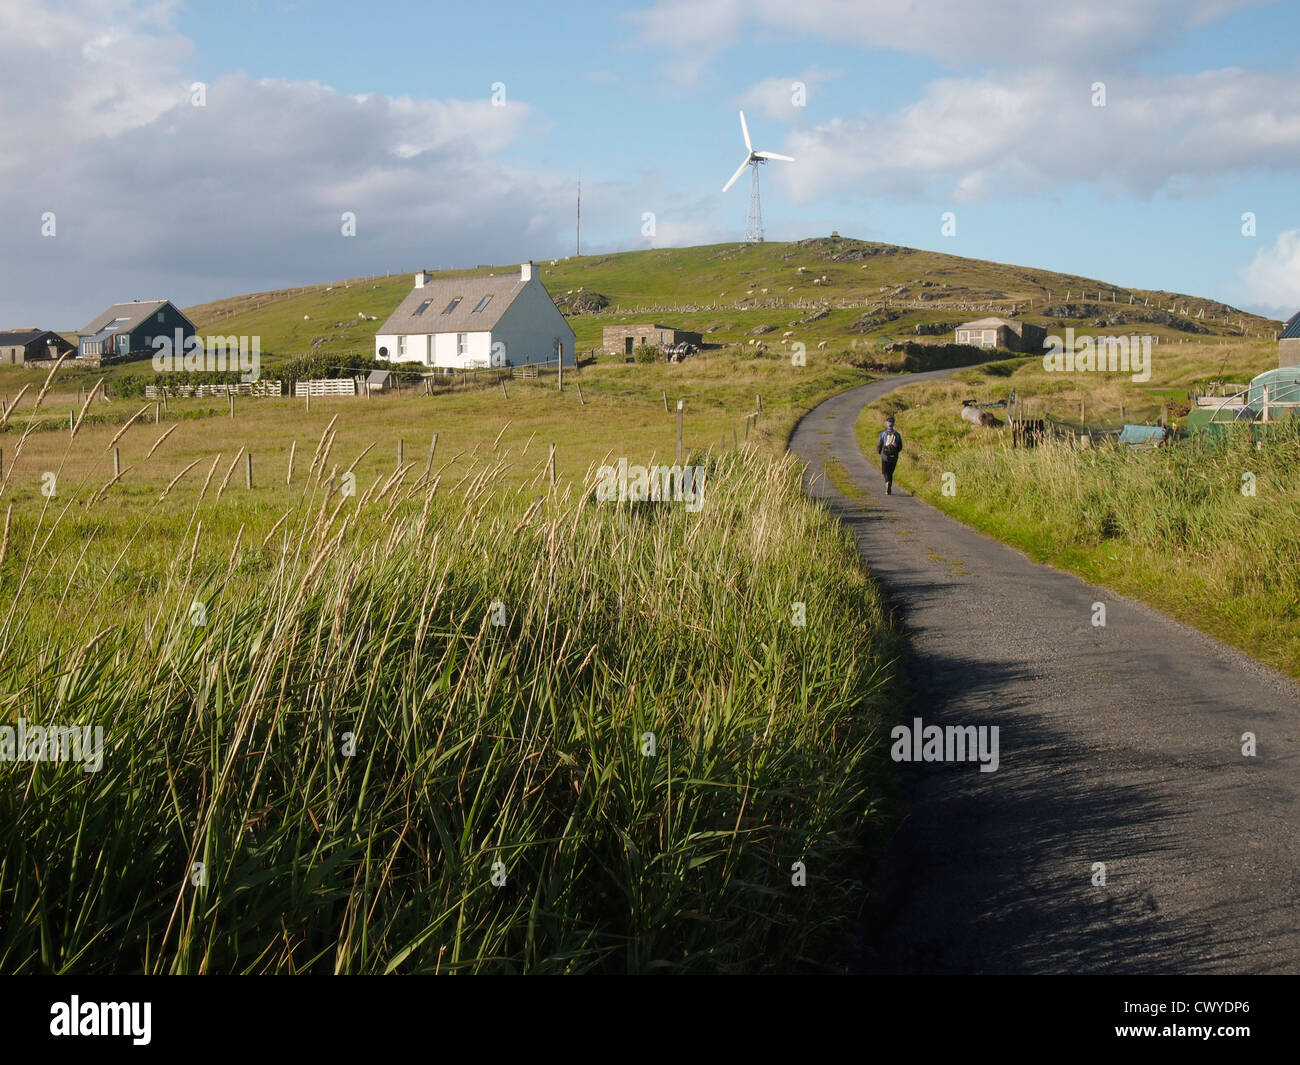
[1119, 745]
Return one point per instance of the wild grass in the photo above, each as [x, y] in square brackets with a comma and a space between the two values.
[1176, 527]
[325, 755]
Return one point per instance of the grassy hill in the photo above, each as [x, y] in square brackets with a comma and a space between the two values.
[846, 292]
[236, 613]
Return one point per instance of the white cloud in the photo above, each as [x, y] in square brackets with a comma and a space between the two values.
[775, 97]
[1036, 130]
[252, 186]
[1273, 277]
[992, 33]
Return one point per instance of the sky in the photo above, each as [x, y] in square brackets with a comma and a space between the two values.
[196, 150]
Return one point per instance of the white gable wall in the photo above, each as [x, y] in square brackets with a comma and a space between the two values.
[530, 327]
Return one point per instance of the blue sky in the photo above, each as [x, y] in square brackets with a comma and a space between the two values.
[912, 109]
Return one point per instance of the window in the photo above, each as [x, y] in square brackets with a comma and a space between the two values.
[962, 336]
[160, 316]
[462, 343]
[452, 305]
[423, 307]
[483, 303]
[401, 347]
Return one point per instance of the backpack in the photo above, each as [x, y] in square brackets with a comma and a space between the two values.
[891, 444]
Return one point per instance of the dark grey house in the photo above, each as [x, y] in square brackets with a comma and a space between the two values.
[31, 345]
[127, 328]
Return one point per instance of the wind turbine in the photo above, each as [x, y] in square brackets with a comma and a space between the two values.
[754, 223]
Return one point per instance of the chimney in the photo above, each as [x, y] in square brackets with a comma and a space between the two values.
[526, 270]
[421, 277]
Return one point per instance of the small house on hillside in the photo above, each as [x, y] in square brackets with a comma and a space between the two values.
[131, 327]
[480, 321]
[624, 339]
[1002, 333]
[31, 345]
[1288, 343]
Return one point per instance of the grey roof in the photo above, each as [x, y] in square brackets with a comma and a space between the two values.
[986, 322]
[378, 377]
[1292, 328]
[132, 313]
[464, 318]
[23, 337]
[1014, 324]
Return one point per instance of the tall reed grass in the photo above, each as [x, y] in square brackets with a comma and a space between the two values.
[325, 755]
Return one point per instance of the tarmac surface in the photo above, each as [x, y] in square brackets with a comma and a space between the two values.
[1119, 745]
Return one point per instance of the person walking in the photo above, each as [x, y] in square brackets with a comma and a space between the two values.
[888, 445]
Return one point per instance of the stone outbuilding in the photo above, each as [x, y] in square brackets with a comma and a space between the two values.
[625, 339]
[18, 346]
[1008, 333]
[1288, 343]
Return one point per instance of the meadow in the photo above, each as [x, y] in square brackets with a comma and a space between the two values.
[416, 700]
[468, 721]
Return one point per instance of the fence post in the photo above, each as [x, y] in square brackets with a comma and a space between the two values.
[248, 469]
[232, 404]
[117, 463]
[681, 406]
[401, 452]
[428, 463]
[157, 409]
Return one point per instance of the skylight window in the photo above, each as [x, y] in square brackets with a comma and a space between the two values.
[452, 305]
[483, 303]
[423, 307]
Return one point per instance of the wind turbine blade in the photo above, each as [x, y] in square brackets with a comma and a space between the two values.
[736, 176]
[773, 155]
[745, 130]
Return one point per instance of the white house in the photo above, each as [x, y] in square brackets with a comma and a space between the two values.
[465, 322]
